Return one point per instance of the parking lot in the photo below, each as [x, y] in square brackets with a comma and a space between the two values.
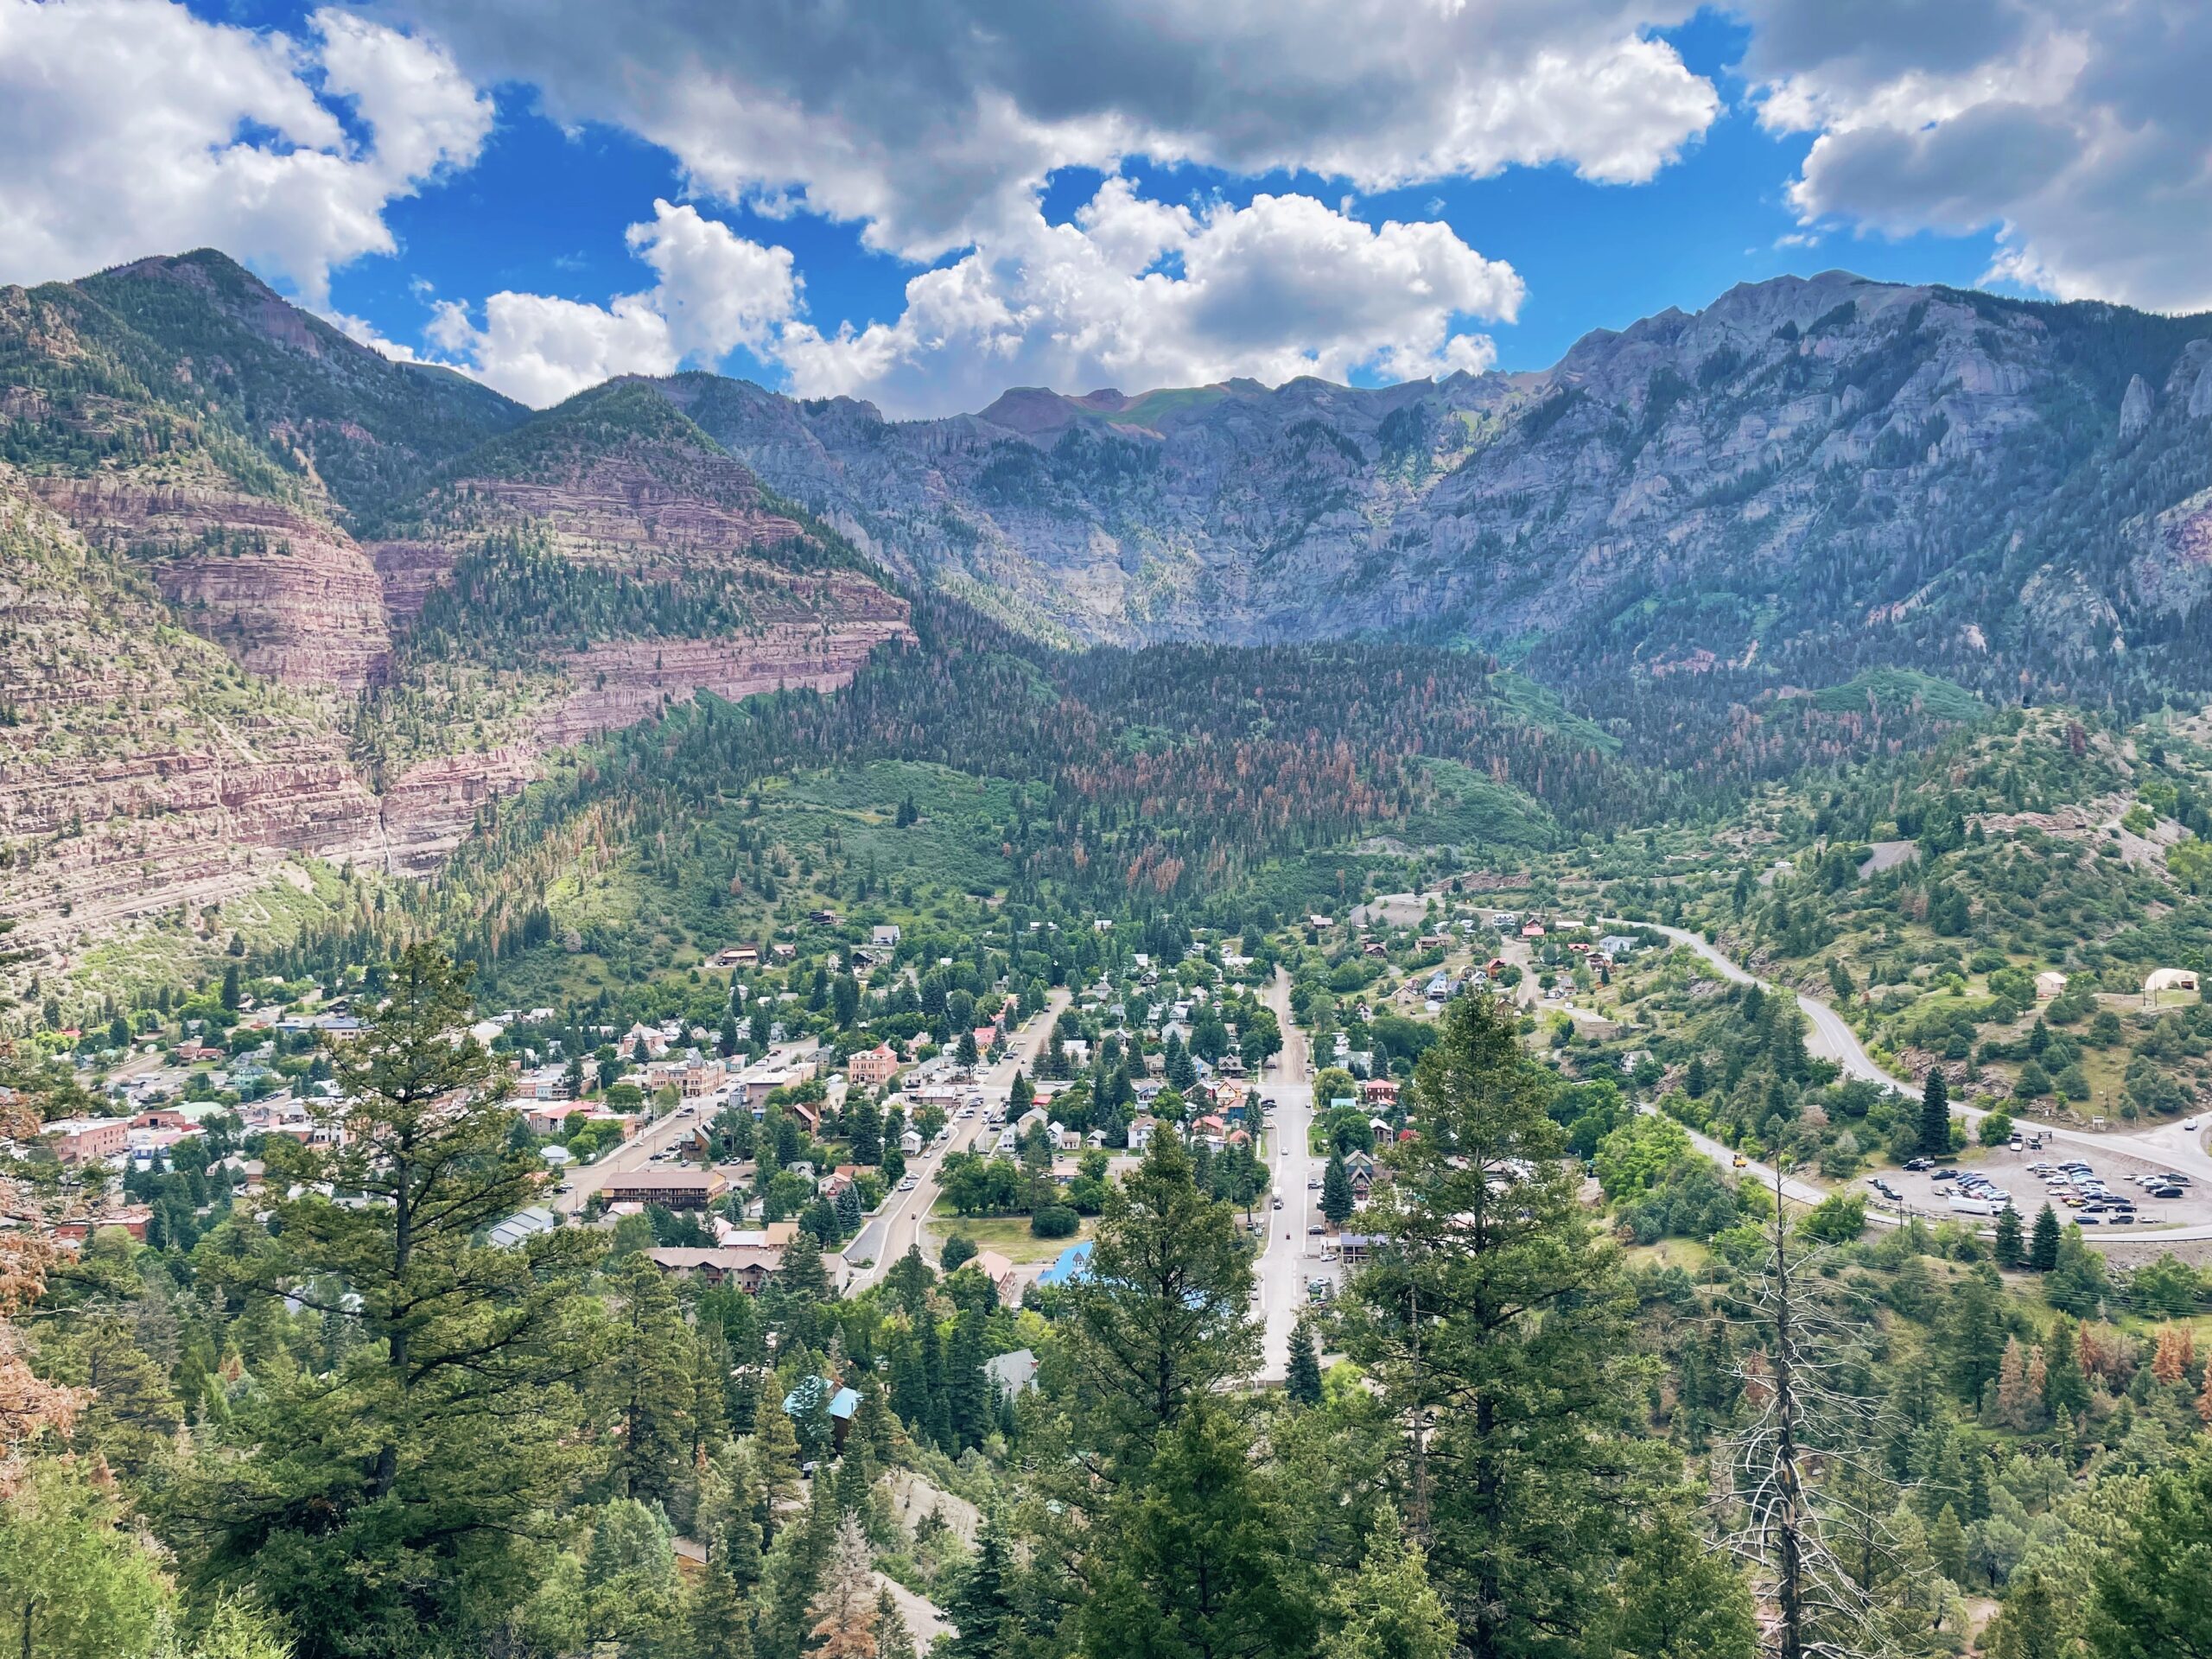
[2110, 1194]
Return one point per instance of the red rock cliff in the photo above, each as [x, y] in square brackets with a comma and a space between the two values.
[286, 593]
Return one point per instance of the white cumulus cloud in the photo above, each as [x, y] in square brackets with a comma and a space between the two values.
[1139, 294]
[2078, 133]
[933, 124]
[131, 127]
[716, 291]
[1133, 291]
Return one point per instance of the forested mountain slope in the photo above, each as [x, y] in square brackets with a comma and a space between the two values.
[424, 588]
[1811, 475]
[179, 411]
[1678, 530]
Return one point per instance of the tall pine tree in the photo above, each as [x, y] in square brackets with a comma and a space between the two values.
[1495, 1324]
[1936, 1116]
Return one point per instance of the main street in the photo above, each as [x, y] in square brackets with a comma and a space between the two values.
[1284, 1266]
[897, 1225]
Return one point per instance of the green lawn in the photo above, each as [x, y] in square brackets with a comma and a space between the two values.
[1008, 1235]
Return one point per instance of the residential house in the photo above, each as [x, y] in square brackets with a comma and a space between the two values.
[1001, 1273]
[546, 1082]
[2049, 983]
[132, 1218]
[1360, 1167]
[1617, 945]
[1140, 1133]
[552, 1117]
[1011, 1374]
[843, 1402]
[642, 1043]
[522, 1226]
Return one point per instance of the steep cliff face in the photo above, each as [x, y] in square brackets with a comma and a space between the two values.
[180, 413]
[1810, 474]
[283, 591]
[203, 671]
[406, 572]
[431, 808]
[622, 683]
[140, 769]
[614, 542]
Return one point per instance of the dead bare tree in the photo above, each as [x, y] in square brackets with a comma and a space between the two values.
[1806, 1418]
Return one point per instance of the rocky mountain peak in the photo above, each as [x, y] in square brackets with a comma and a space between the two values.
[2135, 408]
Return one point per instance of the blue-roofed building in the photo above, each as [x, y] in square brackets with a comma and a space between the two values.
[843, 1402]
[1069, 1266]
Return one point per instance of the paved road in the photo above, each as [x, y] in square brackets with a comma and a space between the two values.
[657, 1136]
[2167, 1146]
[897, 1225]
[1795, 1191]
[1285, 1264]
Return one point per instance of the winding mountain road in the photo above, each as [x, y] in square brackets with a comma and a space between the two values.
[2168, 1146]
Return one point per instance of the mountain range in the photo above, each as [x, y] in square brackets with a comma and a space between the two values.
[1809, 472]
[266, 592]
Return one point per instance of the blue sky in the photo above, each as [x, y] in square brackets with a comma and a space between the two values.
[954, 195]
[544, 211]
